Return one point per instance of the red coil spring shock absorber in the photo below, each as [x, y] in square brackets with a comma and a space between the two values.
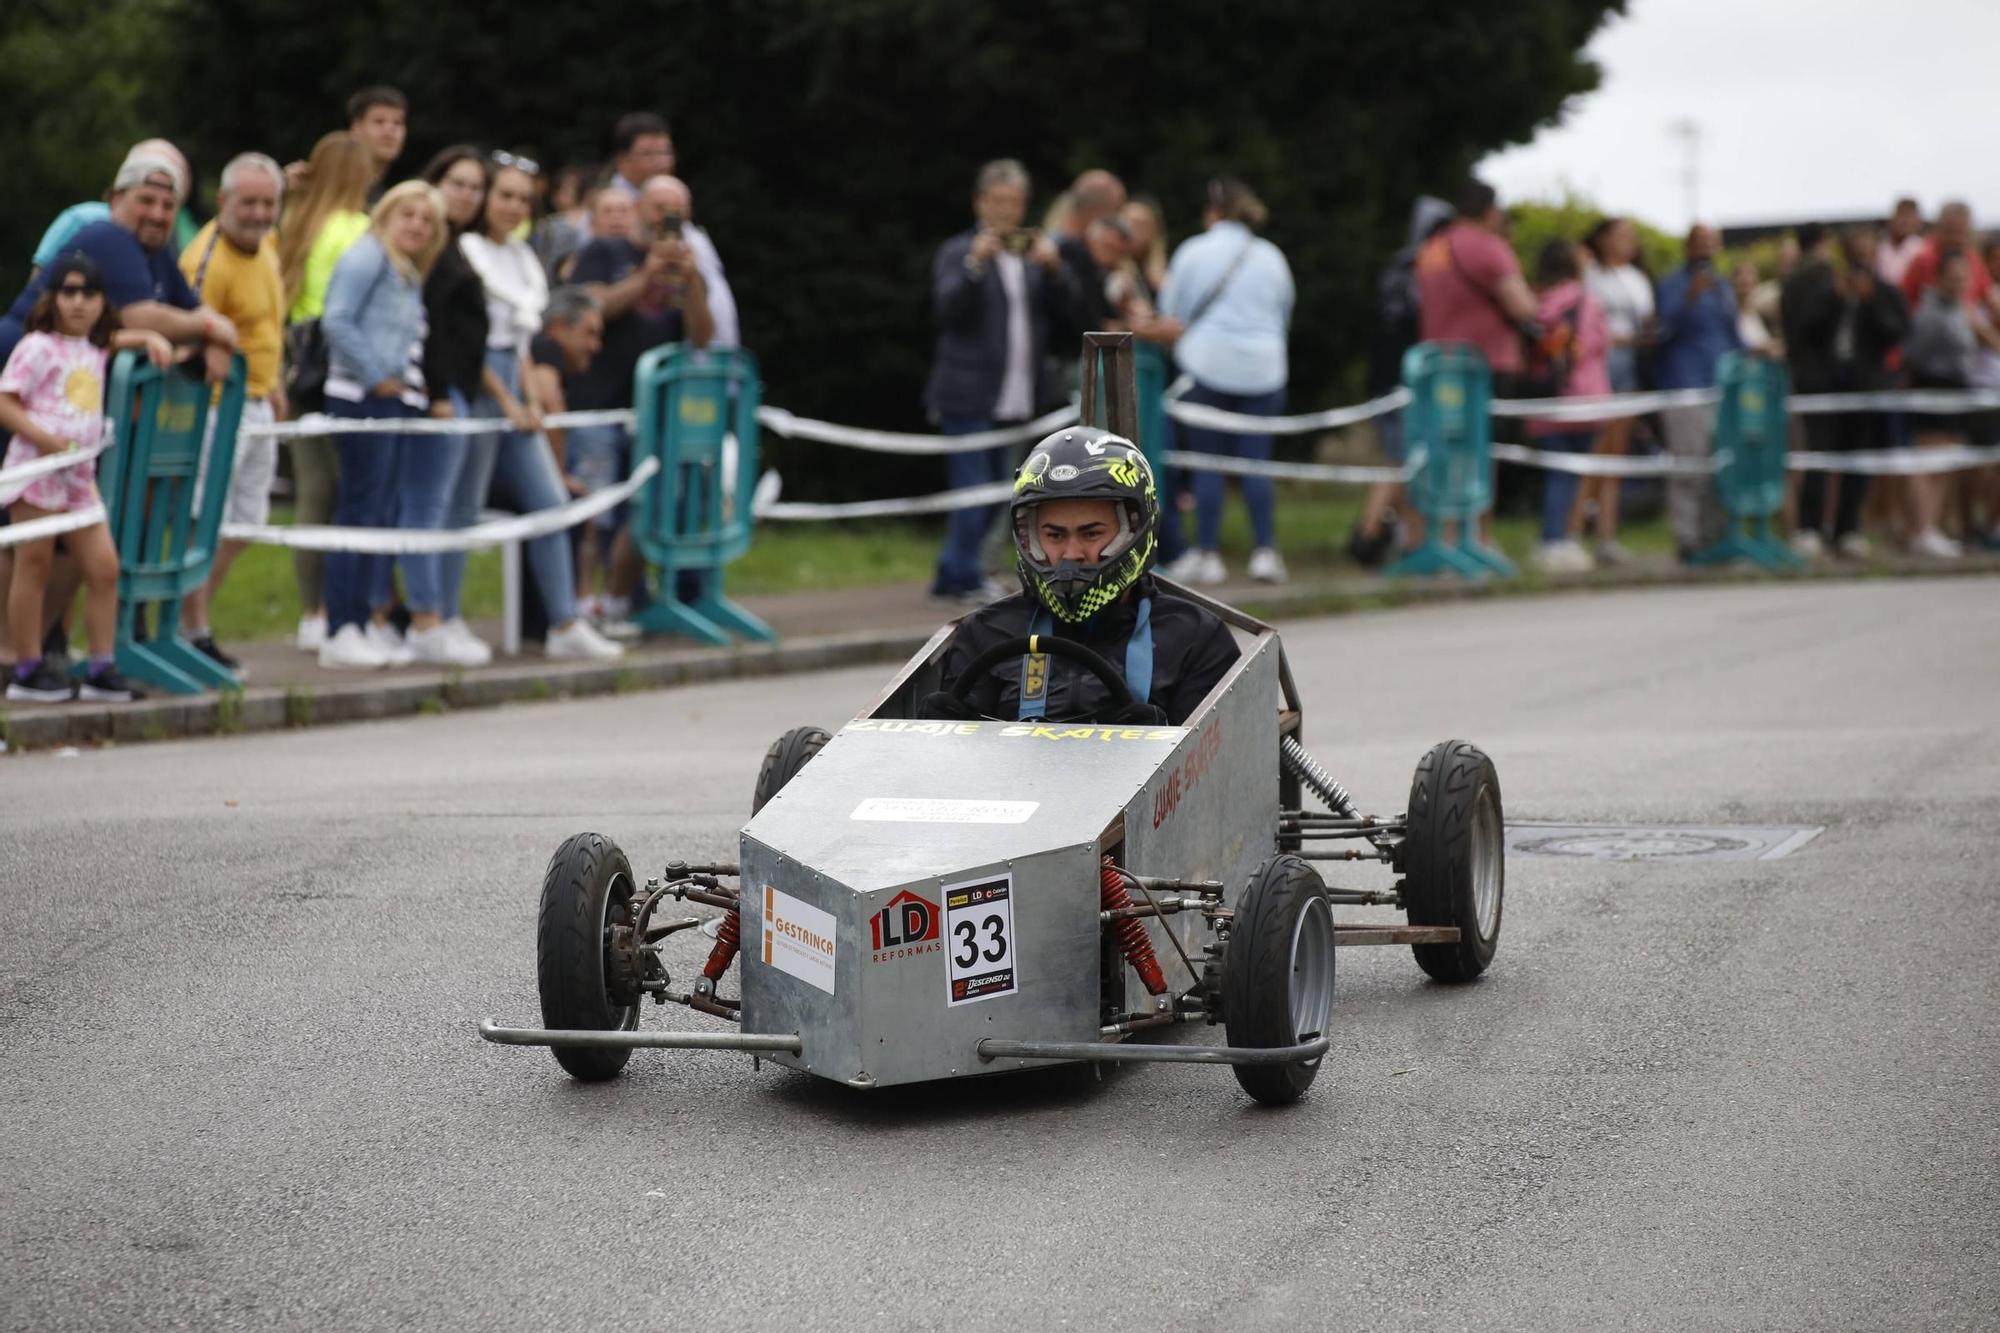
[1131, 931]
[724, 952]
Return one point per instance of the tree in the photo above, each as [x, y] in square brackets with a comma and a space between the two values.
[77, 75]
[831, 144]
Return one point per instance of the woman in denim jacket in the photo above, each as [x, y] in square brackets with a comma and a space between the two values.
[374, 326]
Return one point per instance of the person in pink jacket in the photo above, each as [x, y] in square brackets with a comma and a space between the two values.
[1577, 339]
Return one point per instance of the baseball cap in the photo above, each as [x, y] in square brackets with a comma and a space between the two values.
[79, 263]
[139, 166]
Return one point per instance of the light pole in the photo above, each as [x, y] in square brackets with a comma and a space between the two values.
[1688, 131]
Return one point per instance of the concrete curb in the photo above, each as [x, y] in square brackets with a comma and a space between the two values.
[270, 708]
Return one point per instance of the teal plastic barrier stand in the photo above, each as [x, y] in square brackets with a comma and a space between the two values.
[1752, 431]
[1448, 417]
[166, 537]
[694, 408]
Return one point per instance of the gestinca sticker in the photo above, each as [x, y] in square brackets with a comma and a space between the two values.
[798, 938]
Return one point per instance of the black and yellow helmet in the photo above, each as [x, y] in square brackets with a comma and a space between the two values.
[1085, 463]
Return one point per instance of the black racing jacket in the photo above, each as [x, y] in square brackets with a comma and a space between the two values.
[1192, 650]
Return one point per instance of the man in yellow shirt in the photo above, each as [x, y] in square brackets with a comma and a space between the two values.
[232, 265]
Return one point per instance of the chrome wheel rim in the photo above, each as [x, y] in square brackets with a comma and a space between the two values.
[1312, 970]
[1487, 850]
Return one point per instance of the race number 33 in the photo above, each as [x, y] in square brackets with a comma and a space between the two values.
[979, 939]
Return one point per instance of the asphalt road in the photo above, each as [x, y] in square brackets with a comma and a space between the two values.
[239, 1084]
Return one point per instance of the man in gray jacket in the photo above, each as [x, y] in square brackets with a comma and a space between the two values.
[997, 289]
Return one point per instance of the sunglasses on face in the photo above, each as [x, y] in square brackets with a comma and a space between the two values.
[527, 165]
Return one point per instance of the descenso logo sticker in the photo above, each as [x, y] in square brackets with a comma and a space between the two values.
[798, 938]
[905, 928]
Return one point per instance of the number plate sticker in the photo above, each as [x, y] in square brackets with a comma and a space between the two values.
[979, 939]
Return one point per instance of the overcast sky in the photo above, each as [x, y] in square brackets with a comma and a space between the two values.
[1806, 108]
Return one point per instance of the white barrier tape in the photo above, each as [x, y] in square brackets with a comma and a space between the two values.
[47, 463]
[1922, 402]
[780, 422]
[1243, 423]
[768, 506]
[400, 541]
[1602, 407]
[16, 533]
[319, 424]
[1897, 462]
[1610, 465]
[1277, 470]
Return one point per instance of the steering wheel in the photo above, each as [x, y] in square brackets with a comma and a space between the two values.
[981, 666]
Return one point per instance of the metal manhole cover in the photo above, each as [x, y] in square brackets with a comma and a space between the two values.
[1642, 842]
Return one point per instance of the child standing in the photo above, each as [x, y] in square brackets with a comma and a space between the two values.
[52, 400]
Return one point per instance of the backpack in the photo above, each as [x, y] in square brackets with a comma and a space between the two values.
[1548, 361]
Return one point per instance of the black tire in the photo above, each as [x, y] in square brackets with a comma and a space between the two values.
[787, 755]
[588, 885]
[1277, 984]
[1453, 840]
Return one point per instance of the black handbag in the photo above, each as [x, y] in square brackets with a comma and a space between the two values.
[305, 366]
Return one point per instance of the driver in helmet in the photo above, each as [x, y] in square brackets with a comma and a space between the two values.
[1085, 516]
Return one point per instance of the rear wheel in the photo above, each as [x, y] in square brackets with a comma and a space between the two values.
[787, 755]
[1454, 854]
[1277, 988]
[586, 896]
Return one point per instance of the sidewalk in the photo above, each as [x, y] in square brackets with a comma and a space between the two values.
[847, 627]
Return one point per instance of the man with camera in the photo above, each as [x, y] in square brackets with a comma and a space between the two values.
[651, 292]
[998, 291]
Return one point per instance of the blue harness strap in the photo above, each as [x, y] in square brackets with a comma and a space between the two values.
[1035, 666]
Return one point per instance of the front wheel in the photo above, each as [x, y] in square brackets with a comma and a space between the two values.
[1277, 988]
[1455, 868]
[586, 896]
[782, 762]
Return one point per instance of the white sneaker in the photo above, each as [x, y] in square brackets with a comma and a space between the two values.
[582, 642]
[1936, 545]
[312, 633]
[1854, 546]
[1612, 554]
[614, 608]
[351, 648]
[1563, 557]
[1207, 569]
[1267, 566]
[1182, 570]
[439, 647]
[1806, 544]
[390, 644]
[477, 651]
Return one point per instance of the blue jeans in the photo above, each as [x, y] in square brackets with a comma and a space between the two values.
[364, 498]
[600, 457]
[1559, 488]
[1259, 494]
[958, 567]
[519, 468]
[427, 466]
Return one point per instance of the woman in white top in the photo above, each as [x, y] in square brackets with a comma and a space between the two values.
[1625, 293]
[518, 464]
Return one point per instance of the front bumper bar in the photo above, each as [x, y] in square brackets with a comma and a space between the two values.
[992, 1048]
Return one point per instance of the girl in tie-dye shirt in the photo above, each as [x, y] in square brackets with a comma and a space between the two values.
[52, 401]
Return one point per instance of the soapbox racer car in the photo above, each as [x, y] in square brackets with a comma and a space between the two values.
[918, 900]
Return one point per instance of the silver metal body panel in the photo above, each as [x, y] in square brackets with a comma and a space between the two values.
[848, 874]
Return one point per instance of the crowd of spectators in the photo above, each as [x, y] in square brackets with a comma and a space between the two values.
[482, 289]
[470, 290]
[1012, 300]
[1909, 306]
